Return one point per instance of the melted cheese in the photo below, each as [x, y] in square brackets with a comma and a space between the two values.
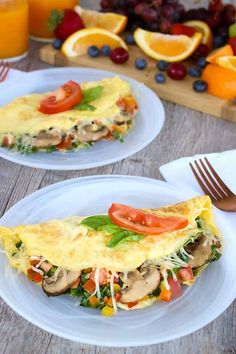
[22, 116]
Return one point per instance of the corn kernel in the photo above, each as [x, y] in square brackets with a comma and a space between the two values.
[117, 288]
[107, 311]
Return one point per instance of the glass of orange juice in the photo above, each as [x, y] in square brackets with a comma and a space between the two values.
[14, 30]
[40, 11]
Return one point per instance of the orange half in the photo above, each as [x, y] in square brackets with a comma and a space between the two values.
[204, 29]
[221, 81]
[172, 48]
[228, 63]
[221, 52]
[78, 43]
[112, 22]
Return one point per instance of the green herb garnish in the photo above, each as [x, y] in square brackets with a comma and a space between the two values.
[18, 245]
[118, 136]
[89, 95]
[119, 235]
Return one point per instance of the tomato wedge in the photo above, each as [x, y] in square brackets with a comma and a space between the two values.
[63, 99]
[34, 276]
[185, 274]
[175, 288]
[66, 144]
[144, 223]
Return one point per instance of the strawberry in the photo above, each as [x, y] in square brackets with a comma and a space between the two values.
[178, 29]
[64, 23]
[232, 42]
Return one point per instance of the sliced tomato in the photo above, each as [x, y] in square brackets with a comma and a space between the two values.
[175, 288]
[185, 274]
[75, 284]
[103, 276]
[34, 262]
[89, 286]
[62, 99]
[127, 104]
[144, 223]
[34, 276]
[65, 144]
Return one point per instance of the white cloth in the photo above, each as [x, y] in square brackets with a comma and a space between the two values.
[178, 173]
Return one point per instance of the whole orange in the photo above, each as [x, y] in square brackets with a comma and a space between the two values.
[221, 81]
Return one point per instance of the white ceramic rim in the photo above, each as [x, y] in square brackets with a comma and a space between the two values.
[185, 332]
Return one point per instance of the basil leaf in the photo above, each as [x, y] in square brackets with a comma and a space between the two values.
[111, 229]
[117, 136]
[91, 94]
[96, 221]
[85, 107]
[135, 237]
[117, 238]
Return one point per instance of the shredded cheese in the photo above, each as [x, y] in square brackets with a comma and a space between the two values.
[96, 280]
[112, 292]
[37, 270]
[165, 276]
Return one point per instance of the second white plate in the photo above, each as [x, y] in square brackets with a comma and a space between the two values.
[149, 121]
[200, 304]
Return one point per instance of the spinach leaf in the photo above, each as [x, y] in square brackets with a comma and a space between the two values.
[111, 228]
[92, 94]
[85, 107]
[123, 236]
[18, 245]
[96, 221]
[134, 237]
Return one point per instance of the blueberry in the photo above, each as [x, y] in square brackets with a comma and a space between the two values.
[218, 41]
[194, 71]
[106, 50]
[93, 51]
[140, 63]
[202, 63]
[162, 65]
[200, 86]
[234, 100]
[130, 39]
[57, 43]
[160, 78]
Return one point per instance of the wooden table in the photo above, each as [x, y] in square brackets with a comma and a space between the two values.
[185, 132]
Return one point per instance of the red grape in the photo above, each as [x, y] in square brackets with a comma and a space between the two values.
[196, 14]
[150, 15]
[168, 11]
[106, 4]
[215, 6]
[119, 55]
[214, 20]
[157, 3]
[177, 71]
[139, 8]
[201, 52]
[229, 14]
[165, 26]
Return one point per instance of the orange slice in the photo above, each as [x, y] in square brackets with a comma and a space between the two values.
[167, 47]
[227, 62]
[112, 22]
[222, 52]
[78, 43]
[204, 29]
[221, 81]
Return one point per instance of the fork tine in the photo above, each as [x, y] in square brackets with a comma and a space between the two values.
[219, 180]
[207, 183]
[202, 185]
[7, 69]
[213, 182]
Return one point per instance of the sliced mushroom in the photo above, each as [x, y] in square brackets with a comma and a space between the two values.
[46, 139]
[140, 284]
[61, 281]
[87, 133]
[200, 250]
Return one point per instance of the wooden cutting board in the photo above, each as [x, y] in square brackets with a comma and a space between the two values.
[179, 92]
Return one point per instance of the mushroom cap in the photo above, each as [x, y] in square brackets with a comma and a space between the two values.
[59, 282]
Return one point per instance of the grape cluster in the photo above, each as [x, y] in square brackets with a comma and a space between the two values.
[218, 16]
[153, 15]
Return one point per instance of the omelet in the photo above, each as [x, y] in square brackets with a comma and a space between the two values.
[109, 115]
[108, 265]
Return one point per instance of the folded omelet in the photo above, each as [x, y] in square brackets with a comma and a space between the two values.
[109, 115]
[107, 265]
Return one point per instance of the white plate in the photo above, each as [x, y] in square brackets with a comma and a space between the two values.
[207, 299]
[149, 120]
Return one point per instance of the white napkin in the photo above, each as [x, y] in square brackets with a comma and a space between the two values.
[178, 172]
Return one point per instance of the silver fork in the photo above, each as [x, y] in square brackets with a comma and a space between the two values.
[211, 183]
[4, 70]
